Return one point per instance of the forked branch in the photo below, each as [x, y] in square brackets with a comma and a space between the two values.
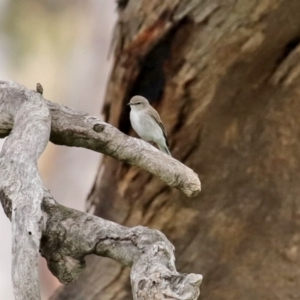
[73, 128]
[65, 236]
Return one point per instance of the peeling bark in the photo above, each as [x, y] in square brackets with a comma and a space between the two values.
[65, 236]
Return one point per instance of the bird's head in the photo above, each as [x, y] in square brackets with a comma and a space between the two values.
[138, 102]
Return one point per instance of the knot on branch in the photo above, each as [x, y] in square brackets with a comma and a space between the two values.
[64, 261]
[98, 127]
[65, 268]
[61, 261]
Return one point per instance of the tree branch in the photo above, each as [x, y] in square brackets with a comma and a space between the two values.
[63, 235]
[21, 187]
[73, 128]
[70, 235]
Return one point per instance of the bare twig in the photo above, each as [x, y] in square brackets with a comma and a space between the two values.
[39, 88]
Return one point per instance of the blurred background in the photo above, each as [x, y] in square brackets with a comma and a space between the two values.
[64, 45]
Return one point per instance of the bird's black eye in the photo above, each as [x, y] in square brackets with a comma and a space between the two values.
[139, 103]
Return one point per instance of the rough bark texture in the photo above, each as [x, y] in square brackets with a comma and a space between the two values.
[224, 76]
[21, 189]
[65, 236]
[70, 235]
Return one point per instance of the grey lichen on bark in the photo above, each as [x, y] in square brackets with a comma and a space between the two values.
[65, 236]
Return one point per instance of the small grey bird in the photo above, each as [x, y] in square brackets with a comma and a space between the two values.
[146, 122]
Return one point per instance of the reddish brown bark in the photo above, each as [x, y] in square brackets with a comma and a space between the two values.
[224, 76]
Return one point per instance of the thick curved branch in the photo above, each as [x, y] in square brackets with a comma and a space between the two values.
[65, 236]
[21, 189]
[70, 235]
[73, 128]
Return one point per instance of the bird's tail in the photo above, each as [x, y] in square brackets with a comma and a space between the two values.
[164, 148]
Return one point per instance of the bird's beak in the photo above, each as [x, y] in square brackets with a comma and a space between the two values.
[129, 103]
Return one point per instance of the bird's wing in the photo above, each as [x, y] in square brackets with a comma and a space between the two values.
[154, 114]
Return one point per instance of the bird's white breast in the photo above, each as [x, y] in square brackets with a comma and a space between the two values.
[145, 126]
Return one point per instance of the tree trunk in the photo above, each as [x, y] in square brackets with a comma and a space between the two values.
[224, 76]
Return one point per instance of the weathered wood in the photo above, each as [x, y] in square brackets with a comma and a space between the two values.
[73, 128]
[70, 235]
[21, 185]
[65, 236]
